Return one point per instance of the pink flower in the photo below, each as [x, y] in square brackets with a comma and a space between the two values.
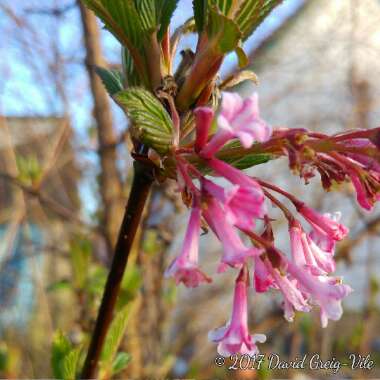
[241, 204]
[238, 118]
[306, 253]
[367, 186]
[203, 120]
[326, 292]
[184, 268]
[235, 252]
[294, 299]
[234, 337]
[233, 175]
[262, 278]
[323, 223]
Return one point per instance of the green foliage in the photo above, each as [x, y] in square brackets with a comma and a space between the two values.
[166, 8]
[29, 169]
[150, 243]
[249, 160]
[129, 68]
[247, 14]
[130, 285]
[242, 57]
[133, 21]
[251, 13]
[64, 358]
[243, 160]
[112, 80]
[200, 13]
[121, 362]
[96, 281]
[151, 124]
[59, 285]
[80, 254]
[114, 337]
[237, 78]
[223, 33]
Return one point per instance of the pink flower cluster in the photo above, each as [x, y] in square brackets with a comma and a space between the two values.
[305, 278]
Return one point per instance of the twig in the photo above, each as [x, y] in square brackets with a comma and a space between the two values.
[141, 185]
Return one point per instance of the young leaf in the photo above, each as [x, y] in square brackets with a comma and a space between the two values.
[112, 80]
[222, 32]
[200, 13]
[251, 13]
[129, 69]
[121, 362]
[237, 78]
[224, 6]
[60, 348]
[114, 337]
[242, 57]
[64, 358]
[70, 364]
[249, 160]
[151, 123]
[126, 16]
[80, 252]
[166, 10]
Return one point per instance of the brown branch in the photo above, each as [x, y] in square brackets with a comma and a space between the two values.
[110, 182]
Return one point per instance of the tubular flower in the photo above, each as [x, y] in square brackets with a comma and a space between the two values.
[242, 205]
[234, 337]
[231, 208]
[326, 292]
[306, 253]
[239, 118]
[323, 223]
[185, 267]
[235, 252]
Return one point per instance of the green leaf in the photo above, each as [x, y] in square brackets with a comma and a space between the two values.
[130, 285]
[80, 253]
[146, 10]
[236, 78]
[151, 124]
[112, 80]
[244, 160]
[59, 285]
[224, 6]
[70, 364]
[166, 11]
[29, 169]
[200, 13]
[96, 281]
[121, 362]
[242, 57]
[129, 68]
[251, 13]
[64, 358]
[114, 337]
[250, 160]
[222, 32]
[126, 16]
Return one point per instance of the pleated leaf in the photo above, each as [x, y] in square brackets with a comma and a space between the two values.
[112, 80]
[151, 123]
[251, 13]
[222, 32]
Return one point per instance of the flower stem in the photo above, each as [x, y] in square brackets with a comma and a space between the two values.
[141, 185]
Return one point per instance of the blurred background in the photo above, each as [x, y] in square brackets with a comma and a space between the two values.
[64, 181]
